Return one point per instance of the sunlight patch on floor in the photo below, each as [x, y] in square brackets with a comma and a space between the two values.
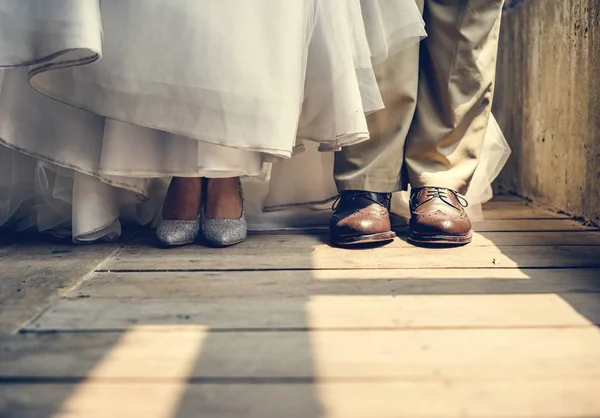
[121, 384]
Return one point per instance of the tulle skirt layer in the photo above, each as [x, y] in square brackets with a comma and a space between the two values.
[255, 75]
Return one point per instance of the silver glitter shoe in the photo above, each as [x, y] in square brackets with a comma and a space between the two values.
[224, 232]
[174, 233]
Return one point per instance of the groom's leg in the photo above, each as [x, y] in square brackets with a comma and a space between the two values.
[375, 165]
[367, 173]
[458, 65]
[458, 62]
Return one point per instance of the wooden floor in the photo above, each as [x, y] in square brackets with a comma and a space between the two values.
[285, 326]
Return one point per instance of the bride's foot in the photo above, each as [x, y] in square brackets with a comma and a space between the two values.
[223, 221]
[180, 220]
[182, 202]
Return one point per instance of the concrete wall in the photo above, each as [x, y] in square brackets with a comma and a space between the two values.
[548, 102]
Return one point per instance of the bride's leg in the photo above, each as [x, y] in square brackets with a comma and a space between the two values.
[223, 199]
[223, 222]
[180, 222]
[183, 199]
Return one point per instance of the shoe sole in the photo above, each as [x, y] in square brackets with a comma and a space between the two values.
[365, 239]
[213, 245]
[440, 240]
[175, 245]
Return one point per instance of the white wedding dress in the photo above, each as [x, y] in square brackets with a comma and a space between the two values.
[102, 101]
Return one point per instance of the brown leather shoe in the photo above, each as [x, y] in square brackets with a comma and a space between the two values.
[438, 217]
[361, 217]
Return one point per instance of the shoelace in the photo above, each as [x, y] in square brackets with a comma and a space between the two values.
[443, 194]
[353, 196]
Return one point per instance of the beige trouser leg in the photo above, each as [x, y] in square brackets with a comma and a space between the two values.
[457, 71]
[375, 165]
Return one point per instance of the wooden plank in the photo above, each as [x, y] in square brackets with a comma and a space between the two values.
[524, 223]
[493, 221]
[546, 398]
[513, 214]
[305, 283]
[502, 201]
[498, 209]
[155, 353]
[309, 252]
[326, 312]
[480, 239]
[531, 225]
[319, 220]
[35, 272]
[507, 198]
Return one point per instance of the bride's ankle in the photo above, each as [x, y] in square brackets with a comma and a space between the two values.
[223, 199]
[183, 199]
